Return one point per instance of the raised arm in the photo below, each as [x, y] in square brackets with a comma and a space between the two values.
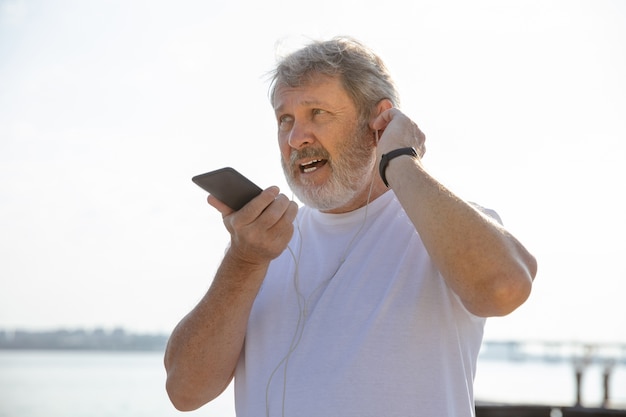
[485, 265]
[204, 348]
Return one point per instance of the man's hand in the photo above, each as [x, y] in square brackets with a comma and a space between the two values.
[399, 131]
[261, 230]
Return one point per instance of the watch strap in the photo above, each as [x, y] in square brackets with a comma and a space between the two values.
[385, 158]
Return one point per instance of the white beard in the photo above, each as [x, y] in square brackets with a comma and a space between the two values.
[351, 172]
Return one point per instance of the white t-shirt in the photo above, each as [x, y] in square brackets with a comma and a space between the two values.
[379, 334]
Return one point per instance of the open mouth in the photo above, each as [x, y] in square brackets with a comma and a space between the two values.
[312, 165]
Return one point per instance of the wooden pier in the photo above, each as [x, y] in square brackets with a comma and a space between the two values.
[544, 411]
[580, 355]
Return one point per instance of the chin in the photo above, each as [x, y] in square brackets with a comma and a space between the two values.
[323, 198]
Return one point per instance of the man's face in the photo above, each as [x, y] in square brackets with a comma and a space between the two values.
[327, 156]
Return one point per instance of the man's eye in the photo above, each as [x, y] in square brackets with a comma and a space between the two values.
[318, 111]
[284, 122]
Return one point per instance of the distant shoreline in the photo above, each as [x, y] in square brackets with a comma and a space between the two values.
[91, 340]
[119, 339]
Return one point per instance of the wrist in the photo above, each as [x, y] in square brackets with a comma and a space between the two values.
[387, 157]
[238, 260]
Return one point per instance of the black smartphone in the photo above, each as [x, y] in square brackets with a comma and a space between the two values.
[229, 186]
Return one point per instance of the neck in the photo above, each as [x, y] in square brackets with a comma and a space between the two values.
[374, 189]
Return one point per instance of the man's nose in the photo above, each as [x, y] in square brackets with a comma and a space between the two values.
[300, 136]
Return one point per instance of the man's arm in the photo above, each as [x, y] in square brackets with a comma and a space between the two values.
[485, 265]
[204, 348]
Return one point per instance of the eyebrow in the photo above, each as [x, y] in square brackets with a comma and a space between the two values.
[305, 103]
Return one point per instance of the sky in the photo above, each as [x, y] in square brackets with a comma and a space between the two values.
[108, 108]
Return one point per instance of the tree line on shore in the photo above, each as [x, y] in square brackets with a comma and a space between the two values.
[81, 339]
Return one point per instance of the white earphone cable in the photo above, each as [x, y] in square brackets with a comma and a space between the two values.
[303, 302]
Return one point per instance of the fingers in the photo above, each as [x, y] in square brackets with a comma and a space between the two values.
[253, 210]
[261, 230]
[384, 118]
[264, 210]
[217, 204]
[398, 131]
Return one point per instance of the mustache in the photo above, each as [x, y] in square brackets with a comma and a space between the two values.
[308, 152]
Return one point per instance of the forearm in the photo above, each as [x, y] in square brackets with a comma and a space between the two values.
[204, 348]
[485, 265]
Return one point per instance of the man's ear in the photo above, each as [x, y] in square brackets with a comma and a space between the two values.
[383, 105]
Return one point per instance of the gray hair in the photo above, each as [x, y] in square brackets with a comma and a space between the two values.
[363, 74]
